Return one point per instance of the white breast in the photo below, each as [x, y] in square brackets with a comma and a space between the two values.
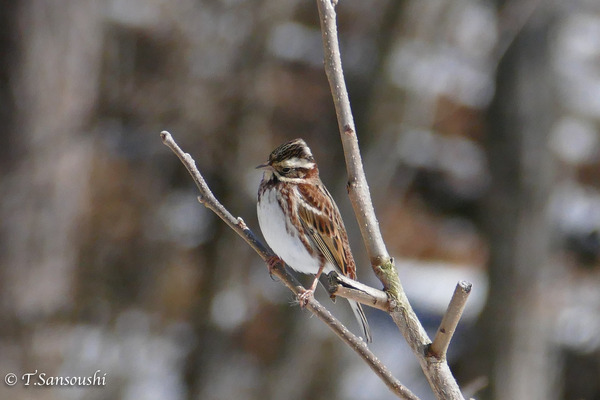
[282, 236]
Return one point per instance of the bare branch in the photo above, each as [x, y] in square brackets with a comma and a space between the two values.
[358, 188]
[237, 224]
[440, 344]
[437, 371]
[340, 285]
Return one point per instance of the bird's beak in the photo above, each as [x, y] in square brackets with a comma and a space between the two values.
[263, 166]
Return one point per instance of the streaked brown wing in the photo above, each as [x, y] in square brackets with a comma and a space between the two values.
[321, 218]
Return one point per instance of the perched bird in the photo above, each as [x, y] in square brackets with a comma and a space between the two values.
[301, 222]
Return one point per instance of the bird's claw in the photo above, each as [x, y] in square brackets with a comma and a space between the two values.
[272, 263]
[304, 297]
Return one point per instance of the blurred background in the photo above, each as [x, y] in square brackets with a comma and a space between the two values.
[479, 127]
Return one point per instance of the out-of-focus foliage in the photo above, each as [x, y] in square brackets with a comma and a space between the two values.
[107, 261]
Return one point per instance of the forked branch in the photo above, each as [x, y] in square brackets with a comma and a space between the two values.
[435, 369]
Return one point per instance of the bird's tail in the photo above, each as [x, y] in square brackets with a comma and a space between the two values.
[362, 319]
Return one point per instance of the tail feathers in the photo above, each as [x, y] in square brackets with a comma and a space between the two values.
[362, 320]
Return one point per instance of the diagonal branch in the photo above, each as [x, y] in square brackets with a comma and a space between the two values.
[207, 198]
[435, 369]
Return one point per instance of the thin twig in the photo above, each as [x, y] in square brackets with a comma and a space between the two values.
[440, 344]
[437, 371]
[237, 224]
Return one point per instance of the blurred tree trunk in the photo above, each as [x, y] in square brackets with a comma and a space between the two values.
[8, 54]
[8, 105]
[521, 363]
[52, 82]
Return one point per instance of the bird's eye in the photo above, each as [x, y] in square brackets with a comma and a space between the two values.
[286, 170]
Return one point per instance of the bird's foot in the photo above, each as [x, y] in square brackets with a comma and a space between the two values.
[304, 297]
[272, 263]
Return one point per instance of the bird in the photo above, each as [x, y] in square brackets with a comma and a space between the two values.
[301, 222]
